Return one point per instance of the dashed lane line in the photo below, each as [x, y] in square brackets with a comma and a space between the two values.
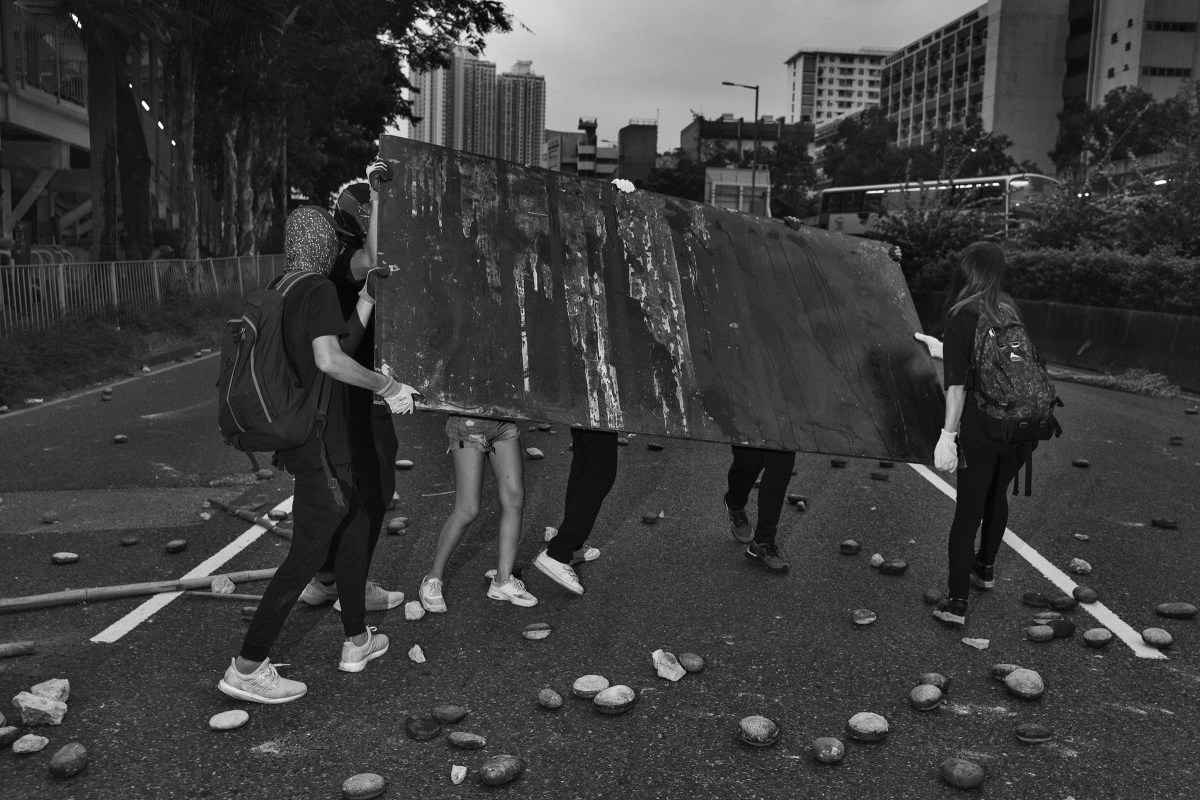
[207, 567]
[1102, 613]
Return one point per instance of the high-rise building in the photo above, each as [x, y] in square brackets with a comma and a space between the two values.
[827, 84]
[520, 114]
[560, 152]
[637, 143]
[595, 160]
[456, 105]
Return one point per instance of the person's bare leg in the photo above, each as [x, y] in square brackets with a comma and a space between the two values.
[508, 466]
[468, 486]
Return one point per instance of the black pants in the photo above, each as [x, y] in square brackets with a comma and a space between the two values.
[982, 505]
[593, 473]
[776, 467]
[317, 520]
[373, 449]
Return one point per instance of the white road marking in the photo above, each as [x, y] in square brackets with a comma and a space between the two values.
[1103, 615]
[207, 567]
[176, 411]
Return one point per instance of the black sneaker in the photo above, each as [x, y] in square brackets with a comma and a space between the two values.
[768, 554]
[739, 524]
[952, 611]
[983, 576]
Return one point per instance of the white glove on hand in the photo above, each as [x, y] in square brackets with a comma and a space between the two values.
[622, 184]
[398, 396]
[932, 342]
[945, 455]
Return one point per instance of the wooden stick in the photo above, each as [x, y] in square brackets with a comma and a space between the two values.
[16, 649]
[249, 598]
[72, 596]
[249, 516]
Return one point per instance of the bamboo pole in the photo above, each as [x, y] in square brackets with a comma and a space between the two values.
[250, 516]
[72, 596]
[249, 598]
[16, 649]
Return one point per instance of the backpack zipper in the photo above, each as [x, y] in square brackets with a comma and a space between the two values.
[229, 387]
[254, 375]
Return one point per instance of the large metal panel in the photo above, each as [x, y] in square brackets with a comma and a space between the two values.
[530, 294]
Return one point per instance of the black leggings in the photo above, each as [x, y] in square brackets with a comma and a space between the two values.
[317, 520]
[593, 472]
[776, 467]
[982, 501]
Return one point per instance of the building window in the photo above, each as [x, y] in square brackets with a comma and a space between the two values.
[1114, 38]
[1172, 27]
[1126, 68]
[1167, 72]
[1112, 72]
[1129, 23]
[1128, 46]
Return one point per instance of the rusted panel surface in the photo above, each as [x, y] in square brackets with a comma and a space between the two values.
[529, 294]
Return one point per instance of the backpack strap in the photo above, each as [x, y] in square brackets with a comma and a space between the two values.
[322, 409]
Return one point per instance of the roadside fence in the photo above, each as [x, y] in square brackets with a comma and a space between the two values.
[36, 297]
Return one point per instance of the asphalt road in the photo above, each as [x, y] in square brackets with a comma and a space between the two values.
[784, 647]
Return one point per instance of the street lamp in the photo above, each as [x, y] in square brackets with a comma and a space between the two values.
[754, 160]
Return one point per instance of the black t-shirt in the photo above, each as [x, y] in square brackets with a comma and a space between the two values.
[311, 310]
[958, 347]
[347, 291]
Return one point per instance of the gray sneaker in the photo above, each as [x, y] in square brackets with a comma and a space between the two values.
[317, 593]
[767, 554]
[355, 658]
[739, 524]
[377, 598]
[264, 685]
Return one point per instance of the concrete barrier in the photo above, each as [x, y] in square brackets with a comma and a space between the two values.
[1101, 339]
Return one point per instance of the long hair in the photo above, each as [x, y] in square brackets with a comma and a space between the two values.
[978, 282]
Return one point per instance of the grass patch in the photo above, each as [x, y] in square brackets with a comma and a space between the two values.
[1136, 381]
[76, 353]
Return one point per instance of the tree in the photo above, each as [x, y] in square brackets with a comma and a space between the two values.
[684, 180]
[792, 177]
[1130, 123]
[864, 151]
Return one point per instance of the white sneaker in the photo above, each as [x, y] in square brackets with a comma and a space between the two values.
[378, 598]
[585, 553]
[431, 595]
[317, 593]
[560, 573]
[513, 591]
[354, 658]
[264, 685]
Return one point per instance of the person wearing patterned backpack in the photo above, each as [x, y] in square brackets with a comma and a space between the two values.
[999, 403]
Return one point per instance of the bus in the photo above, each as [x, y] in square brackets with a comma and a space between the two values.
[1006, 198]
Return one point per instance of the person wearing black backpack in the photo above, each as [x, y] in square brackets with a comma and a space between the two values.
[324, 504]
[986, 464]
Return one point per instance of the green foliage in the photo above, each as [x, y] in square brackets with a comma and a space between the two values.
[1128, 124]
[928, 236]
[684, 180]
[1157, 281]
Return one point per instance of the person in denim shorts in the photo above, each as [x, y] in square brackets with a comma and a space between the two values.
[472, 440]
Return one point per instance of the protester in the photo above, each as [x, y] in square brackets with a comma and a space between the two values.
[472, 440]
[776, 468]
[985, 467]
[373, 443]
[312, 327]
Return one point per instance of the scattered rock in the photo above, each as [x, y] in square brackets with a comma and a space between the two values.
[653, 446]
[277, 515]
[1157, 637]
[1002, 671]
[416, 654]
[228, 720]
[1082, 463]
[932, 597]
[1193, 410]
[879, 476]
[1063, 628]
[876, 560]
[1163, 522]
[850, 547]
[828, 750]
[961, 773]
[38, 710]
[589, 686]
[1033, 733]
[466, 741]
[863, 616]
[30, 743]
[176, 546]
[397, 524]
[1035, 599]
[622, 441]
[404, 463]
[1097, 637]
[925, 697]
[1085, 594]
[363, 786]
[120, 438]
[758, 731]
[56, 689]
[501, 769]
[1176, 441]
[1039, 633]
[866, 726]
[413, 610]
[64, 558]
[1083, 537]
[893, 566]
[1063, 603]
[106, 390]
[936, 679]
[886, 464]
[9, 734]
[978, 644]
[649, 519]
[129, 541]
[691, 662]
[548, 698]
[206, 515]
[1079, 566]
[145, 369]
[544, 426]
[534, 453]
[549, 533]
[1044, 617]
[536, 630]
[795, 499]
[667, 666]
[222, 585]
[448, 713]
[1025, 684]
[248, 613]
[422, 727]
[615, 699]
[264, 474]
[49, 517]
[837, 463]
[458, 774]
[1176, 610]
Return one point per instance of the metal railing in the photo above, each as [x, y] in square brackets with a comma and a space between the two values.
[48, 54]
[36, 297]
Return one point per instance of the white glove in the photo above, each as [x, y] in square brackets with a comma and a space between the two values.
[398, 396]
[932, 342]
[945, 455]
[622, 184]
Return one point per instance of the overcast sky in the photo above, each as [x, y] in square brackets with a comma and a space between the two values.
[620, 59]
